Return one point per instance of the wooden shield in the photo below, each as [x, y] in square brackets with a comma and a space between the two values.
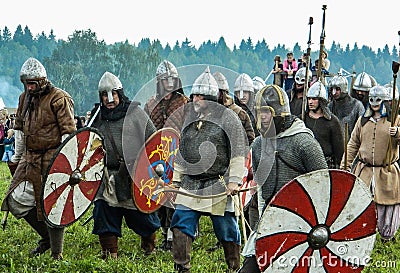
[246, 196]
[323, 221]
[73, 177]
[160, 148]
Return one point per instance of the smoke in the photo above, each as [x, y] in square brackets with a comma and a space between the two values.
[9, 93]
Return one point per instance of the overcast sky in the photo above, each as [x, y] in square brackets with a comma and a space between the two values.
[371, 23]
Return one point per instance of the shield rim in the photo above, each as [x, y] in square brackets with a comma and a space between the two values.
[55, 155]
[143, 148]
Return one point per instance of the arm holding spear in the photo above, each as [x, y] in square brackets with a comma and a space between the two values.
[393, 130]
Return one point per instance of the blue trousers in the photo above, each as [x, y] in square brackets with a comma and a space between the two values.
[225, 227]
[108, 219]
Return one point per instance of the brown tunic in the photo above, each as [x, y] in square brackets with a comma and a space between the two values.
[47, 119]
[370, 142]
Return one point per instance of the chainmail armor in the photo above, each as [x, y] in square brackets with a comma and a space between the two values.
[214, 129]
[290, 157]
[122, 184]
[347, 110]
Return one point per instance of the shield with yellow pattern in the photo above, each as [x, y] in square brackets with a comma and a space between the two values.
[154, 168]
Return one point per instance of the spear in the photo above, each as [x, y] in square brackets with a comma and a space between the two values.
[310, 22]
[321, 44]
[395, 107]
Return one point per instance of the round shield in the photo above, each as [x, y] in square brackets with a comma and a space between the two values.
[73, 177]
[154, 169]
[323, 221]
[247, 182]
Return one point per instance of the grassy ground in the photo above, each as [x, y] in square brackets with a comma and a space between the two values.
[82, 250]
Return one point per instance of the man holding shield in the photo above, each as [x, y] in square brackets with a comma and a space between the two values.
[117, 117]
[45, 117]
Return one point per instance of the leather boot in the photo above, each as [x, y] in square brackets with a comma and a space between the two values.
[109, 245]
[181, 248]
[41, 228]
[250, 265]
[232, 255]
[56, 242]
[148, 244]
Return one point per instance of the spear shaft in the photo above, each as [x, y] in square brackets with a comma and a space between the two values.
[303, 108]
[321, 44]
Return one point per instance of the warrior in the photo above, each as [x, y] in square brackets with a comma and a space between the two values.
[210, 161]
[168, 99]
[250, 212]
[126, 127]
[370, 141]
[325, 125]
[44, 118]
[346, 108]
[245, 89]
[284, 150]
[297, 92]
[258, 83]
[225, 99]
[360, 89]
[166, 109]
[244, 96]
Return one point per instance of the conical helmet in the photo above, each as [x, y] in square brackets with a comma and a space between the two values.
[317, 90]
[339, 81]
[32, 69]
[222, 81]
[258, 83]
[364, 82]
[389, 94]
[108, 83]
[243, 83]
[205, 85]
[165, 70]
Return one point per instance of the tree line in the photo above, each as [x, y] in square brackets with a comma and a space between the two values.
[77, 63]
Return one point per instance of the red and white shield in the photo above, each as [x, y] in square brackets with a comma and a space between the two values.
[323, 221]
[160, 150]
[246, 196]
[73, 177]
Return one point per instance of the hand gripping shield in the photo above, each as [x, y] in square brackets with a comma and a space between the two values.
[73, 177]
[160, 150]
[323, 221]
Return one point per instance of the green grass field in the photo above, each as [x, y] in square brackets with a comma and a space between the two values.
[82, 250]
